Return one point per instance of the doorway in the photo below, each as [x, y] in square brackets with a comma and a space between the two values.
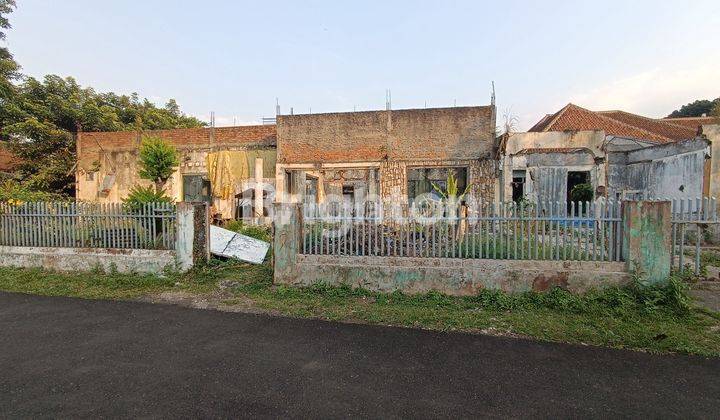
[518, 185]
[196, 189]
[575, 178]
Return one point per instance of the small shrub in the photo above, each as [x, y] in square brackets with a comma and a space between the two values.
[582, 192]
[140, 195]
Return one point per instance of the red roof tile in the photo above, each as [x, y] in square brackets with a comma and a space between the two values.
[616, 123]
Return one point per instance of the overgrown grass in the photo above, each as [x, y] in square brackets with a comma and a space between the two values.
[254, 231]
[657, 319]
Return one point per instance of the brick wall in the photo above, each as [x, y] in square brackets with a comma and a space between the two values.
[432, 134]
[263, 135]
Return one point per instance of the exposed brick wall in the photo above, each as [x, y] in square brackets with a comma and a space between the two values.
[434, 134]
[261, 135]
[393, 179]
[483, 177]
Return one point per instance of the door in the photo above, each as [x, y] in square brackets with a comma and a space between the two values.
[196, 188]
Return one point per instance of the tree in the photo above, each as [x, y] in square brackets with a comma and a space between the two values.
[6, 6]
[40, 118]
[9, 69]
[716, 112]
[695, 109]
[158, 160]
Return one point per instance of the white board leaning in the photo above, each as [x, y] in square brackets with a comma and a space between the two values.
[227, 243]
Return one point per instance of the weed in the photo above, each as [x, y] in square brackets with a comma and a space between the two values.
[254, 231]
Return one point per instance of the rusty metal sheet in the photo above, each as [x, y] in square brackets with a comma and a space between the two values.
[227, 243]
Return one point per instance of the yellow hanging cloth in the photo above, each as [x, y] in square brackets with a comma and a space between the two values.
[225, 170]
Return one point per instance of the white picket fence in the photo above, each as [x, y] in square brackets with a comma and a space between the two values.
[88, 225]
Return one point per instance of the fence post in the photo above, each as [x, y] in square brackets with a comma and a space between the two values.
[647, 239]
[286, 241]
[193, 234]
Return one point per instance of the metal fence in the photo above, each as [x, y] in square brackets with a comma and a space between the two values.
[694, 231]
[88, 225]
[528, 231]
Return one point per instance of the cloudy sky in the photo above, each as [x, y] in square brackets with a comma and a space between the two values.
[235, 58]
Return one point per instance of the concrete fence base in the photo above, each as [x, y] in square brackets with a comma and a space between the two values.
[451, 275]
[88, 259]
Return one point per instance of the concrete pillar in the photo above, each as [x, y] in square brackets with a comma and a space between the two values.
[321, 187]
[280, 180]
[647, 239]
[298, 186]
[192, 240]
[372, 182]
[258, 204]
[286, 241]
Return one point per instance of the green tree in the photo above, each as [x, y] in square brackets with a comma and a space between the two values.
[9, 69]
[695, 109]
[40, 118]
[158, 160]
[716, 112]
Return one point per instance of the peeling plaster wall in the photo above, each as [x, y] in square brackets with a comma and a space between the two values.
[546, 173]
[668, 171]
[674, 170]
[103, 155]
[593, 140]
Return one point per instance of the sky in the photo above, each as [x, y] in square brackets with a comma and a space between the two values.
[235, 58]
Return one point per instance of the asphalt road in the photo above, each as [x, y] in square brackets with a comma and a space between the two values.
[62, 357]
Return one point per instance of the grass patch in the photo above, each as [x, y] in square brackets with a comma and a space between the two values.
[656, 319]
[93, 285]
